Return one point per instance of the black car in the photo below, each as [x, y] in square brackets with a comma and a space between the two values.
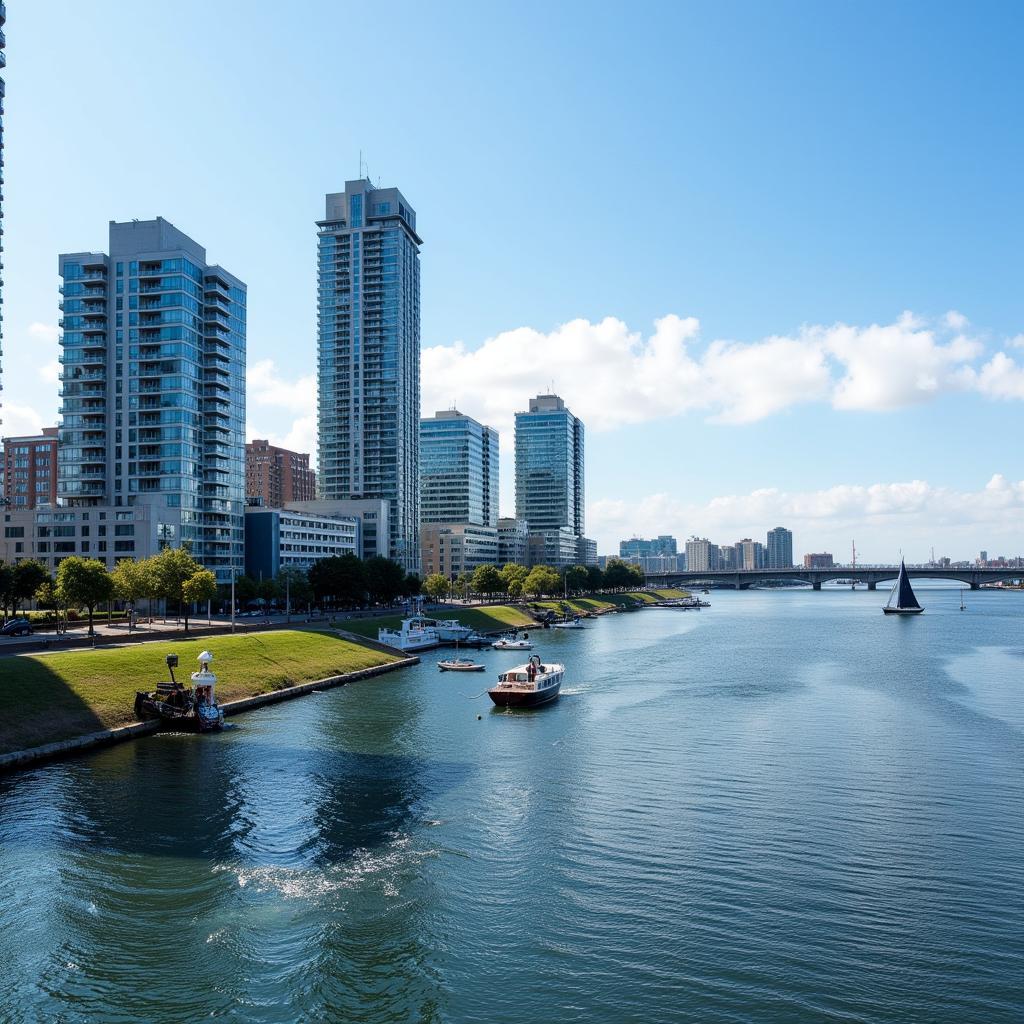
[17, 627]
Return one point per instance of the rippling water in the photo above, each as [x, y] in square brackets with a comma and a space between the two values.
[785, 808]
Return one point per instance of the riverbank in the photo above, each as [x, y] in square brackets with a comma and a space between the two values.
[51, 698]
[485, 619]
[601, 604]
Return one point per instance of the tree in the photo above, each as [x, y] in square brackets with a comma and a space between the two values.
[293, 586]
[462, 584]
[576, 578]
[384, 579]
[619, 575]
[46, 597]
[595, 578]
[133, 581]
[412, 585]
[246, 589]
[84, 581]
[200, 586]
[6, 586]
[436, 586]
[339, 580]
[511, 571]
[487, 580]
[29, 575]
[542, 580]
[515, 589]
[172, 568]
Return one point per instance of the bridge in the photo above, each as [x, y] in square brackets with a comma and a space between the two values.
[743, 578]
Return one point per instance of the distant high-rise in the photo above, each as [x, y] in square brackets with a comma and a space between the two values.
[636, 547]
[458, 470]
[153, 394]
[779, 549]
[701, 555]
[549, 474]
[368, 367]
[276, 477]
[752, 554]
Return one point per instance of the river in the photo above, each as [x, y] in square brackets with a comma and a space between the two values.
[785, 808]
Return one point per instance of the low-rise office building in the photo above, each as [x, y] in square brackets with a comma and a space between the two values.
[372, 513]
[285, 538]
[30, 470]
[513, 541]
[821, 560]
[453, 548]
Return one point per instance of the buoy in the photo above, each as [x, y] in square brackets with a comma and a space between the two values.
[479, 717]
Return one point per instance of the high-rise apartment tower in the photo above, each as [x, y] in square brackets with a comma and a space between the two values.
[153, 391]
[368, 302]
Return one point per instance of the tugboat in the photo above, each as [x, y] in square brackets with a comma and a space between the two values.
[529, 685]
[191, 709]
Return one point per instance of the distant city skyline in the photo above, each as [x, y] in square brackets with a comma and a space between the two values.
[757, 365]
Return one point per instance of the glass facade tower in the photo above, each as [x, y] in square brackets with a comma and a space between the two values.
[3, 64]
[779, 549]
[153, 388]
[458, 470]
[368, 357]
[549, 466]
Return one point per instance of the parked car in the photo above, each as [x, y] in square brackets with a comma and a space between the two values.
[17, 627]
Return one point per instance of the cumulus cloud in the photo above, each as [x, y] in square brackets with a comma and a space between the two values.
[19, 420]
[613, 376]
[881, 515]
[265, 386]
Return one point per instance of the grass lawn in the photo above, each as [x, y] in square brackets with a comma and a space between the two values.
[496, 616]
[51, 697]
[601, 603]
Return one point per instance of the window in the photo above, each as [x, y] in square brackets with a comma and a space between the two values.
[14, 531]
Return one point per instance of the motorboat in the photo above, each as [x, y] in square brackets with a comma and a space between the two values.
[903, 594]
[574, 623]
[448, 630]
[186, 708]
[460, 665]
[514, 643]
[529, 685]
[415, 635]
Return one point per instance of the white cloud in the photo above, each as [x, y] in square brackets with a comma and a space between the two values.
[266, 387]
[19, 420]
[1000, 377]
[48, 333]
[882, 516]
[612, 376]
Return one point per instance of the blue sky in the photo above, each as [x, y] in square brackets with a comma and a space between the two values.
[769, 171]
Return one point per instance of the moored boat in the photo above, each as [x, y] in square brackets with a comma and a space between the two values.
[903, 594]
[460, 665]
[415, 634]
[191, 709]
[574, 623]
[514, 643]
[529, 685]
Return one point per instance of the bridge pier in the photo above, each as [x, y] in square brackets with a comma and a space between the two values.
[872, 584]
[816, 585]
[975, 586]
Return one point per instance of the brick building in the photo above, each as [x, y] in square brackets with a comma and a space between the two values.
[30, 470]
[275, 477]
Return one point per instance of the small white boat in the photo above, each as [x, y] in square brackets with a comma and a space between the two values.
[448, 630]
[574, 623]
[460, 665]
[415, 635]
[527, 686]
[513, 643]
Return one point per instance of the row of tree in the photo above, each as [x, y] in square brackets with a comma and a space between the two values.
[171, 575]
[517, 580]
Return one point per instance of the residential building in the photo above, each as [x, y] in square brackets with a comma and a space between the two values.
[153, 389]
[818, 561]
[513, 541]
[106, 532]
[730, 557]
[275, 477]
[458, 470]
[586, 551]
[637, 547]
[549, 450]
[549, 446]
[30, 470]
[453, 548]
[557, 548]
[779, 549]
[752, 554]
[284, 538]
[369, 356]
[701, 555]
[373, 515]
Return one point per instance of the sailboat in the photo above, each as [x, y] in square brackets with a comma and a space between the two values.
[903, 595]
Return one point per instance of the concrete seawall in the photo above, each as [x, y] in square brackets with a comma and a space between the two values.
[18, 759]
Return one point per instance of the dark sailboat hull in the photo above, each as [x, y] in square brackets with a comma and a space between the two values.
[902, 611]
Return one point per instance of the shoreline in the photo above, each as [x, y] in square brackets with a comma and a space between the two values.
[16, 760]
